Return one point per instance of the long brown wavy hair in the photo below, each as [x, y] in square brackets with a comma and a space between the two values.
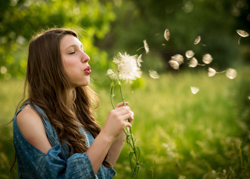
[47, 83]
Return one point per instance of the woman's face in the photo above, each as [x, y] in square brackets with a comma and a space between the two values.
[75, 61]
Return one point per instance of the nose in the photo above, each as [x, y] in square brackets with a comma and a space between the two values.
[85, 58]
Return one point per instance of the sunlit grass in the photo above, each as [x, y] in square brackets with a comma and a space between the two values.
[10, 94]
[179, 133]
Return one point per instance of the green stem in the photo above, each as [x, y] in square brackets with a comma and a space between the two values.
[129, 135]
[130, 130]
[122, 93]
[111, 100]
[112, 95]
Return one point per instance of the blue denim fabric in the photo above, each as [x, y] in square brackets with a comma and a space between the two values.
[34, 164]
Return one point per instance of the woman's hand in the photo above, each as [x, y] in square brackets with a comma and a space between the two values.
[117, 120]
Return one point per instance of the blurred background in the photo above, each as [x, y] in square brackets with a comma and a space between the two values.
[180, 134]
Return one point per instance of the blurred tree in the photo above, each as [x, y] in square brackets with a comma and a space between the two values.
[20, 19]
[213, 20]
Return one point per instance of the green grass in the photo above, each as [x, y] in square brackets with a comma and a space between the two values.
[178, 133]
[10, 95]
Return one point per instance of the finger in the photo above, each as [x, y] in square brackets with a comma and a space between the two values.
[132, 113]
[121, 104]
[127, 124]
[122, 110]
[128, 117]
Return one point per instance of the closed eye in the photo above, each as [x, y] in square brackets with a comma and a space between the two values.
[71, 52]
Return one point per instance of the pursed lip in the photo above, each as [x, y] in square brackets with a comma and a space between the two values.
[87, 70]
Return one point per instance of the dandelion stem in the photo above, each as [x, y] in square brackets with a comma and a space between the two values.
[112, 95]
[122, 94]
[221, 71]
[135, 172]
[112, 101]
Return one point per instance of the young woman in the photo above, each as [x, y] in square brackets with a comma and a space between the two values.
[55, 133]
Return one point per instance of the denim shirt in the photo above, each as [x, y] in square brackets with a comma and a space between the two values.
[34, 164]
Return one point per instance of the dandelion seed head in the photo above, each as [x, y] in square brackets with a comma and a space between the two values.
[189, 53]
[242, 33]
[112, 74]
[211, 72]
[207, 58]
[197, 40]
[193, 62]
[153, 74]
[167, 34]
[146, 46]
[128, 67]
[194, 90]
[231, 73]
[174, 64]
[110, 71]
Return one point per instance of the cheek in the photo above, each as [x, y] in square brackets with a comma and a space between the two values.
[69, 65]
[73, 70]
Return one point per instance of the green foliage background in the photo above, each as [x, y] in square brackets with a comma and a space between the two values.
[180, 134]
[20, 20]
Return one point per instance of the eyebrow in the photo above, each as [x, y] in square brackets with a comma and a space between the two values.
[74, 45]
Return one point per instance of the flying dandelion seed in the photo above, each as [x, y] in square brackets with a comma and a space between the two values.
[242, 33]
[163, 44]
[139, 60]
[193, 62]
[231, 73]
[167, 34]
[174, 64]
[153, 74]
[211, 72]
[197, 40]
[194, 90]
[178, 58]
[248, 97]
[139, 48]
[189, 53]
[207, 58]
[146, 46]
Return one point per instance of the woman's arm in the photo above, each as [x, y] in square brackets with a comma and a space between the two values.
[115, 149]
[118, 144]
[108, 139]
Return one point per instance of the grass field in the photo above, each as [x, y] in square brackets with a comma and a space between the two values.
[180, 135]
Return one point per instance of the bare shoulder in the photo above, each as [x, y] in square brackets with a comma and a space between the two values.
[32, 128]
[27, 119]
[26, 114]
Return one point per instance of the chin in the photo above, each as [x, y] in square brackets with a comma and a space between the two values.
[86, 83]
[82, 84]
